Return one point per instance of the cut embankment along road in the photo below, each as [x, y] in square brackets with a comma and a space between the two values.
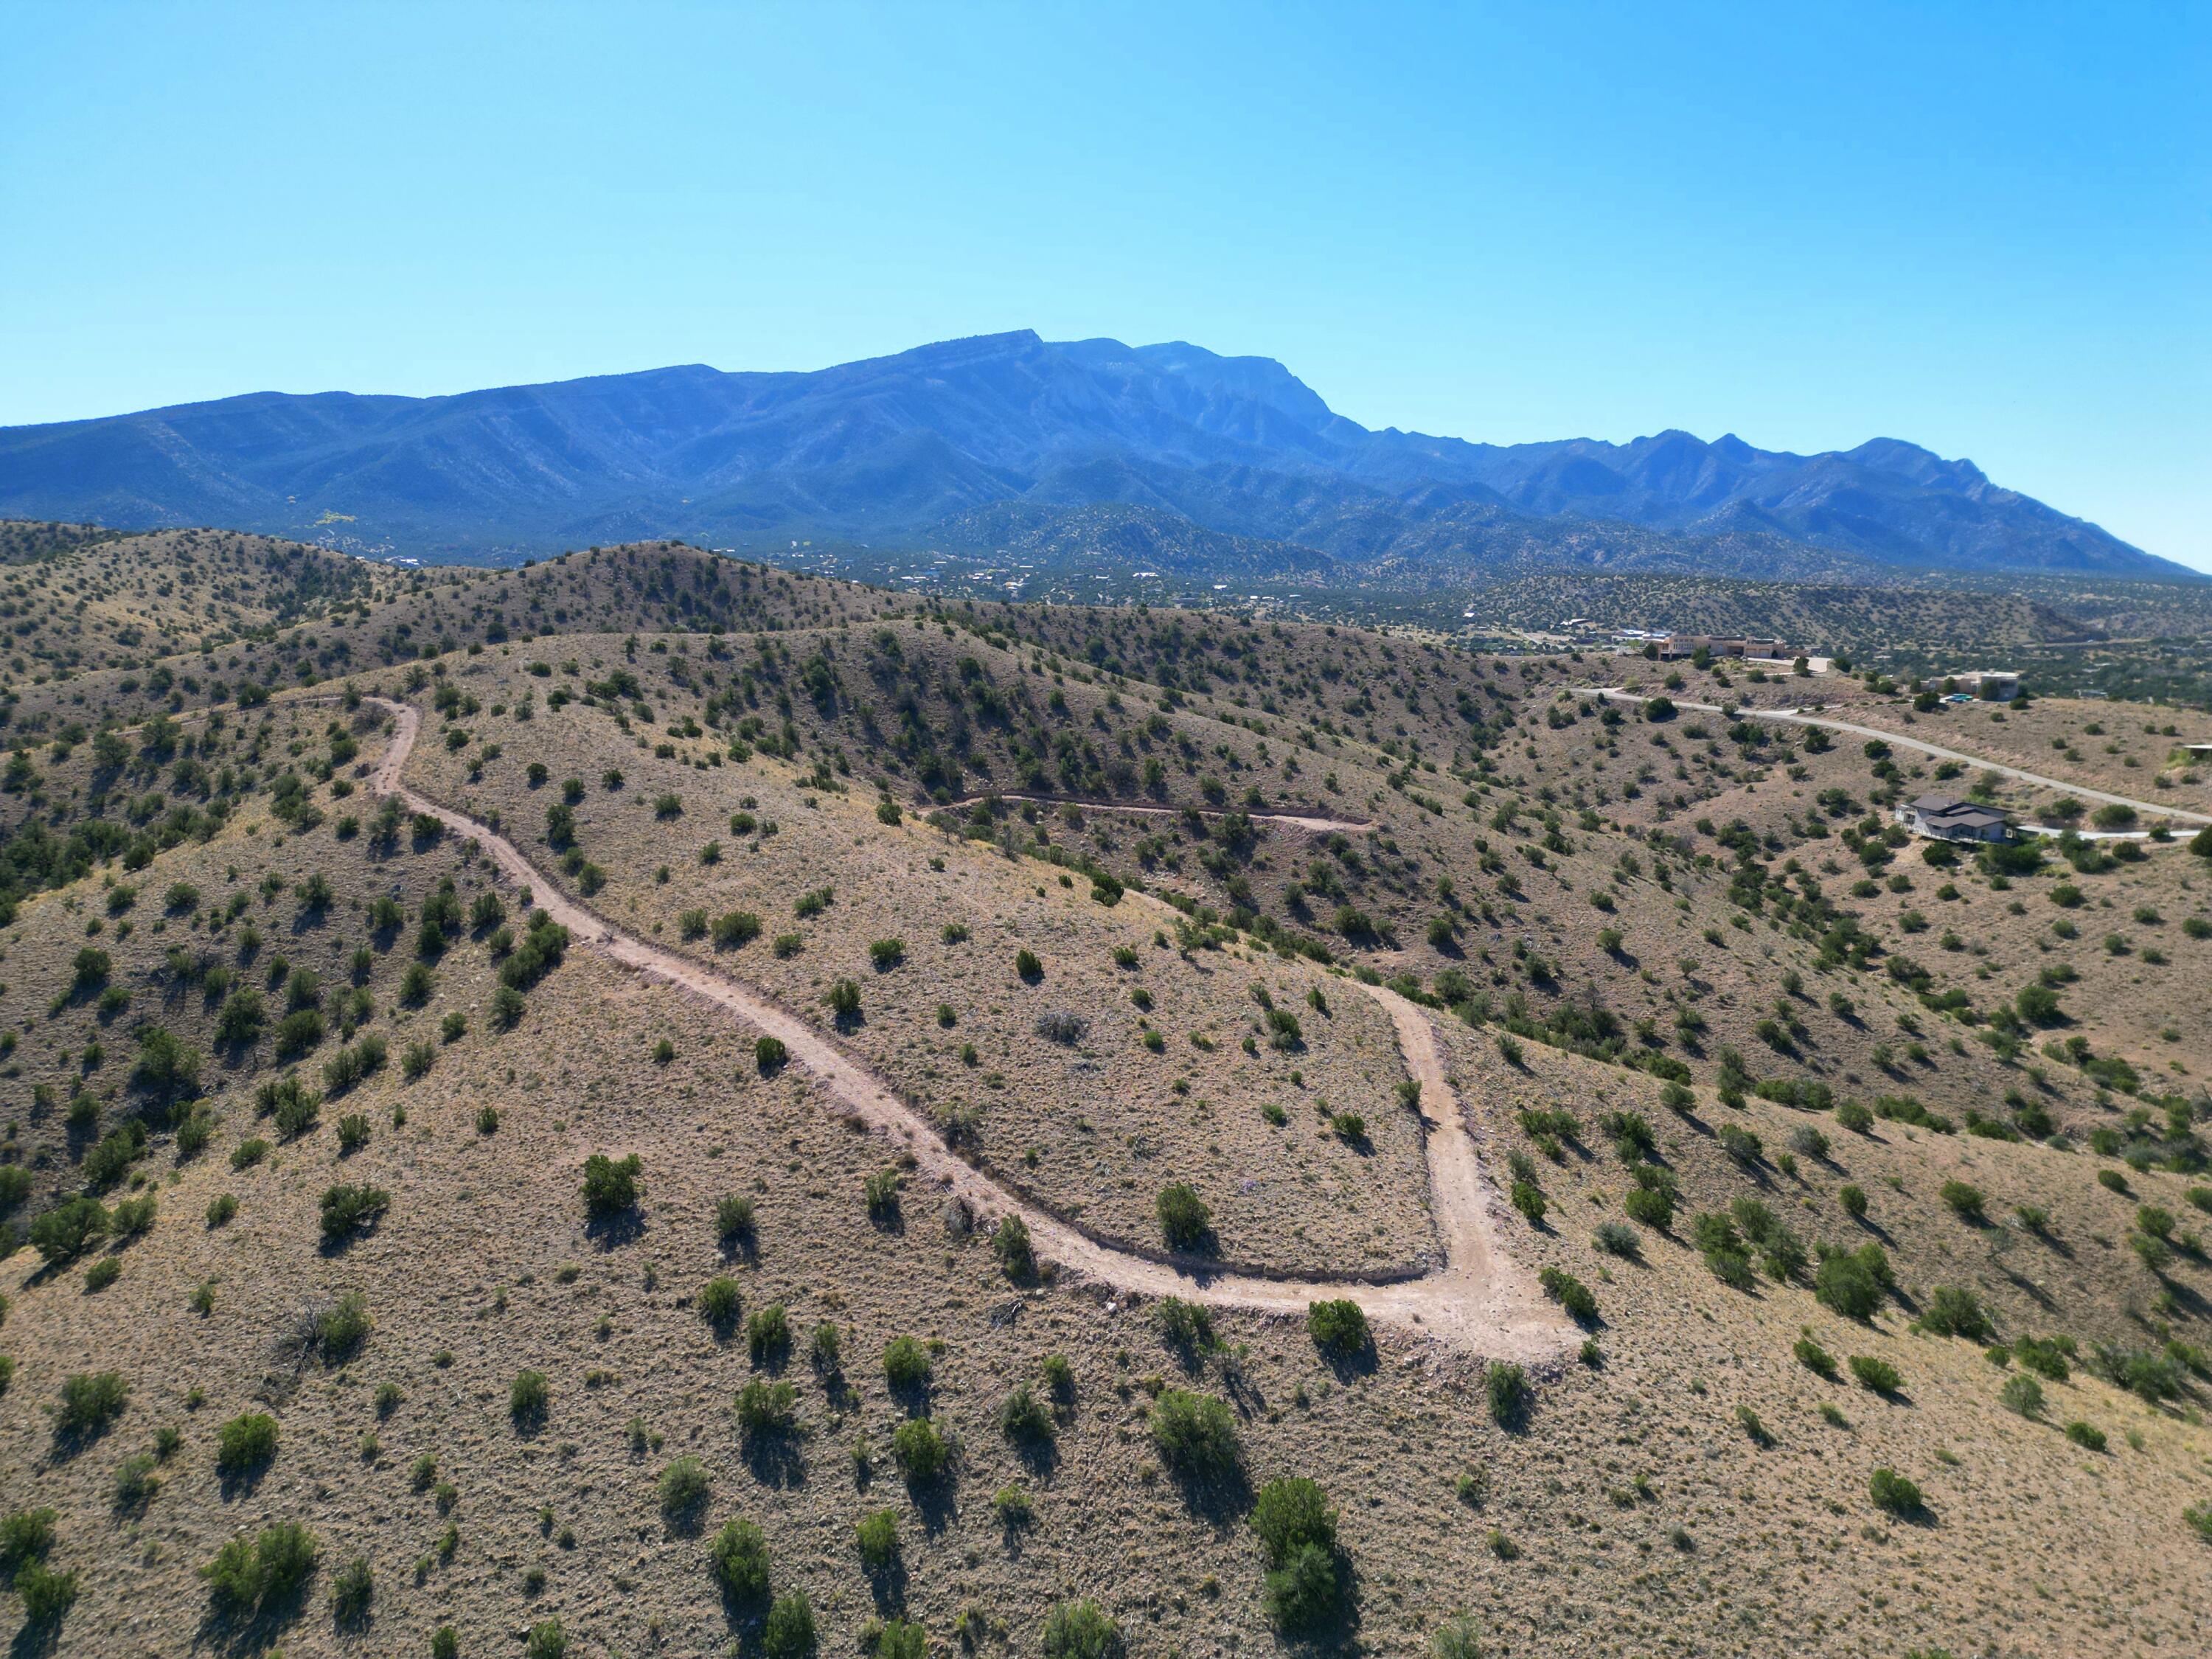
[1315, 822]
[1795, 717]
[1479, 1301]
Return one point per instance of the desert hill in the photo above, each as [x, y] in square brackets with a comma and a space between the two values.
[1829, 1265]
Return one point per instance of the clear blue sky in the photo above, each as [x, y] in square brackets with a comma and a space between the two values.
[1982, 228]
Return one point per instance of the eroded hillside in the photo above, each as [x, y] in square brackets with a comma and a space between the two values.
[1828, 1263]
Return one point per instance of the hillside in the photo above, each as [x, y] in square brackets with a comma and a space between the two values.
[891, 448]
[1018, 1015]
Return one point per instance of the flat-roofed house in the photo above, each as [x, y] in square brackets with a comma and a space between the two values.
[1944, 817]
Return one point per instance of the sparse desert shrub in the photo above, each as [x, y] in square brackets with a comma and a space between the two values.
[352, 1590]
[1023, 1418]
[881, 1190]
[770, 1056]
[90, 1401]
[1815, 1357]
[1194, 1434]
[70, 1228]
[1616, 1238]
[343, 1326]
[246, 1445]
[47, 1595]
[719, 1300]
[767, 1408]
[1455, 1638]
[1186, 1326]
[25, 1535]
[1528, 1199]
[1878, 1374]
[292, 1104]
[1027, 966]
[1963, 1201]
[352, 1133]
[734, 929]
[1337, 1327]
[788, 1633]
[1010, 1243]
[1952, 1312]
[1739, 1144]
[348, 1211]
[610, 1185]
[2047, 1357]
[684, 1487]
[1843, 1285]
[1653, 1205]
[1185, 1221]
[1059, 1025]
[1809, 1142]
[1507, 1391]
[2023, 1394]
[919, 1450]
[733, 1220]
[767, 1334]
[1571, 1293]
[1080, 1629]
[906, 1364]
[260, 1575]
[1305, 1582]
[527, 1399]
[1892, 1492]
[887, 953]
[1288, 1514]
[739, 1560]
[2086, 1436]
[877, 1535]
[1059, 1376]
[1307, 1592]
[546, 1640]
[844, 997]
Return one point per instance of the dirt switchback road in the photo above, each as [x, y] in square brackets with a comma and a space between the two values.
[1793, 717]
[1479, 1302]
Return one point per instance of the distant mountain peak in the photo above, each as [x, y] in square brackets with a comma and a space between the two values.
[888, 446]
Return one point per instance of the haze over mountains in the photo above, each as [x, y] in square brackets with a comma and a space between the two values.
[1222, 463]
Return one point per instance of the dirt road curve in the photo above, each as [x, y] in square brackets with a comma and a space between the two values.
[1479, 1301]
[1289, 820]
[1792, 717]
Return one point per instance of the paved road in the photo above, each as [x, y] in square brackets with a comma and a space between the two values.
[1794, 717]
[1479, 1301]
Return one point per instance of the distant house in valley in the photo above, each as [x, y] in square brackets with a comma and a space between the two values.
[1724, 644]
[1944, 817]
[1986, 684]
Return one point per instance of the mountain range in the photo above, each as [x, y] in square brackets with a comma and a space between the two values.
[971, 442]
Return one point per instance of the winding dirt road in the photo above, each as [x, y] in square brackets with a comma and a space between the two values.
[1289, 820]
[1793, 717]
[1479, 1301]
